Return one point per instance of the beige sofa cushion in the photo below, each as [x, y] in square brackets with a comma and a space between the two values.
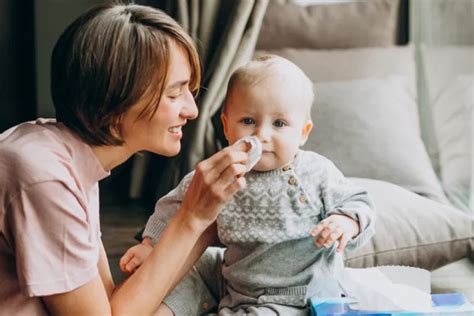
[357, 24]
[453, 122]
[449, 85]
[412, 230]
[369, 128]
[343, 64]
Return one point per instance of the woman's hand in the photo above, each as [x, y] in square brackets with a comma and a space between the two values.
[215, 180]
[336, 227]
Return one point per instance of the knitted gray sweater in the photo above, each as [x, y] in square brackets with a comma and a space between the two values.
[265, 228]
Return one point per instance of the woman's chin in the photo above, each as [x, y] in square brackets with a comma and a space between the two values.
[169, 151]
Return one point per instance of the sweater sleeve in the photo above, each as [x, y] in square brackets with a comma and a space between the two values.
[165, 209]
[341, 196]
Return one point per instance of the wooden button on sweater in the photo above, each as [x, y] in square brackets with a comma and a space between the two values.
[303, 199]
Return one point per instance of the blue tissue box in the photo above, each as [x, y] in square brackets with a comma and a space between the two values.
[454, 304]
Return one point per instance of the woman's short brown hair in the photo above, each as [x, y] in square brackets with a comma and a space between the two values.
[109, 59]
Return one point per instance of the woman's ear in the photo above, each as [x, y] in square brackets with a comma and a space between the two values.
[224, 124]
[308, 126]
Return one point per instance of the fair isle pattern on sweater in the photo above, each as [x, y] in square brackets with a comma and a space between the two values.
[278, 205]
[272, 208]
[286, 203]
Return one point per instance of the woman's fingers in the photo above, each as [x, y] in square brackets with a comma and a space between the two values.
[231, 174]
[219, 162]
[234, 186]
[214, 181]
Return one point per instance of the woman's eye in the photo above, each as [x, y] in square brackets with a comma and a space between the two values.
[174, 96]
[248, 121]
[279, 123]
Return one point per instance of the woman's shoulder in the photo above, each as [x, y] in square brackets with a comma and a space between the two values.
[35, 152]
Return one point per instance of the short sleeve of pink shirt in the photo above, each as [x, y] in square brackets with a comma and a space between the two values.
[56, 239]
[49, 212]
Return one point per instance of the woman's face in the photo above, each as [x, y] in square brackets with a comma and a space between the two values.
[162, 133]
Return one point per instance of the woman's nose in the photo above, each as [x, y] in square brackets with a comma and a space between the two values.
[189, 110]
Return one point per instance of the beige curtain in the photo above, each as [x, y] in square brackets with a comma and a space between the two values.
[226, 33]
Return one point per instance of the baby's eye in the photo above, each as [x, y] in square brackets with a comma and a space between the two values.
[279, 123]
[248, 121]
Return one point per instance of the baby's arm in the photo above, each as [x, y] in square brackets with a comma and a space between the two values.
[348, 215]
[135, 256]
[165, 209]
[340, 228]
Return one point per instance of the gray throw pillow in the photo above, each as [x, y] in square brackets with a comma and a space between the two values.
[346, 25]
[412, 230]
[369, 128]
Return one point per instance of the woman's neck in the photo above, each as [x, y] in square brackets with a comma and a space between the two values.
[111, 156]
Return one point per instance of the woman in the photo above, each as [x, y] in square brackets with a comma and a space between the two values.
[123, 79]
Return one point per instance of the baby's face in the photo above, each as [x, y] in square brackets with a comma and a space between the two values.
[272, 115]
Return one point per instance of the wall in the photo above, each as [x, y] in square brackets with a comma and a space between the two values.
[51, 18]
[17, 87]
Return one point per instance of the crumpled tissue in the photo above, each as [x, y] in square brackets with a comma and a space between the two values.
[255, 151]
[387, 288]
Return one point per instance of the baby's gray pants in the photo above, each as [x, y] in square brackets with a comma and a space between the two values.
[200, 292]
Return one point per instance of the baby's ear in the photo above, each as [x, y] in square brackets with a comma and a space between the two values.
[308, 126]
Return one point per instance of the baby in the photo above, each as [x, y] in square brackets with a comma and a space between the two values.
[285, 230]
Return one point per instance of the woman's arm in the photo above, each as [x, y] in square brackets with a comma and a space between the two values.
[206, 240]
[89, 299]
[104, 271]
[142, 293]
[215, 181]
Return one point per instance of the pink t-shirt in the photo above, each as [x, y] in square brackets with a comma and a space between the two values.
[49, 215]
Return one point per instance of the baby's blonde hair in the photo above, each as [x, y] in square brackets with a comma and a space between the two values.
[268, 66]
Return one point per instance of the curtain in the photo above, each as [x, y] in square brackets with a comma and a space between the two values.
[437, 25]
[226, 33]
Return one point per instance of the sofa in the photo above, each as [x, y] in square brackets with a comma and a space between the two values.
[396, 117]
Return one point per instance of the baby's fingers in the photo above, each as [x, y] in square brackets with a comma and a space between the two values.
[132, 265]
[124, 260]
[328, 236]
[342, 243]
[319, 228]
[332, 237]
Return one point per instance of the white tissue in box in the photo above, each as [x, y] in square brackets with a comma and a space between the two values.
[388, 288]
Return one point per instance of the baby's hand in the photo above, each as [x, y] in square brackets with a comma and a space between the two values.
[335, 227]
[135, 256]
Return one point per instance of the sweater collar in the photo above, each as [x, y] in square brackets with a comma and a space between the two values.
[278, 171]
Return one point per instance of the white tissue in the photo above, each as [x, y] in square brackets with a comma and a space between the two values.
[255, 152]
[388, 288]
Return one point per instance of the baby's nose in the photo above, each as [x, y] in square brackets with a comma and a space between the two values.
[263, 134]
